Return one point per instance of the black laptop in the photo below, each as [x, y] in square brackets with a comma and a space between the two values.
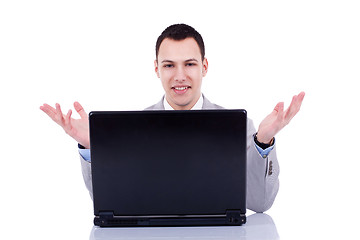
[168, 168]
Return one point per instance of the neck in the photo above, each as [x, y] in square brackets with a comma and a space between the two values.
[183, 107]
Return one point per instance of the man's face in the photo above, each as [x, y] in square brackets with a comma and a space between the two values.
[181, 70]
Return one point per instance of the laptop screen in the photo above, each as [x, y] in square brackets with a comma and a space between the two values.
[168, 162]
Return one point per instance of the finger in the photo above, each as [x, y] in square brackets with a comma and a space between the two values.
[279, 108]
[50, 111]
[291, 110]
[80, 110]
[68, 118]
[298, 101]
[48, 107]
[279, 111]
[301, 95]
[294, 107]
[59, 115]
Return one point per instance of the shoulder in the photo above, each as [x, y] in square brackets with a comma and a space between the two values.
[209, 105]
[157, 106]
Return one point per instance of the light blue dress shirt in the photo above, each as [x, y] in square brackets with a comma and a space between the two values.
[85, 153]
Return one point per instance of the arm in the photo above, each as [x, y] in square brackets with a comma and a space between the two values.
[86, 172]
[262, 175]
[78, 129]
[86, 168]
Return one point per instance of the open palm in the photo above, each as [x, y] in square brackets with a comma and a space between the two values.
[78, 129]
[278, 119]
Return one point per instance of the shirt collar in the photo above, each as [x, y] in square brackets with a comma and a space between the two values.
[198, 105]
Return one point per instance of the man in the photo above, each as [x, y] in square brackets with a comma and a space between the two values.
[181, 64]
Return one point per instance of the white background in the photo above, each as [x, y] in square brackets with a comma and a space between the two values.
[101, 54]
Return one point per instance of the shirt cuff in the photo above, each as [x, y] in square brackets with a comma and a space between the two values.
[265, 152]
[85, 153]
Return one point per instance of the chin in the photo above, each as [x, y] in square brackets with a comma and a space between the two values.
[181, 103]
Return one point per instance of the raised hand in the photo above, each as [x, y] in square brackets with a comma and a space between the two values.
[278, 119]
[78, 129]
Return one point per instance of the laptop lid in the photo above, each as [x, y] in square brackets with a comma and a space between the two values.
[159, 168]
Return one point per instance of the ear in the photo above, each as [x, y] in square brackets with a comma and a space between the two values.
[205, 66]
[156, 68]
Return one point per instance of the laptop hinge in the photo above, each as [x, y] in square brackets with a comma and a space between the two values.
[104, 218]
[235, 217]
[108, 219]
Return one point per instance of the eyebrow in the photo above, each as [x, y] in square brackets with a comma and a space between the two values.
[191, 59]
[188, 60]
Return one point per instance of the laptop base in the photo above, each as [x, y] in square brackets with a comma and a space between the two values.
[232, 218]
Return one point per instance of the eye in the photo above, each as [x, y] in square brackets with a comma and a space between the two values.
[190, 64]
[168, 65]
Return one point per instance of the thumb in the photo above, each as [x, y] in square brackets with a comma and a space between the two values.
[80, 110]
[279, 107]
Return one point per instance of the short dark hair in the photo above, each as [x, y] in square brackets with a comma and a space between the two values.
[180, 32]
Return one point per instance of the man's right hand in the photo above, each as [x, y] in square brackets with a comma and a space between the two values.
[78, 129]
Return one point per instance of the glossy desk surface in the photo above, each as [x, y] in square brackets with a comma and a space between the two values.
[258, 226]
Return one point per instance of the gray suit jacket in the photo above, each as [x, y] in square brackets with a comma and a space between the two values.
[262, 173]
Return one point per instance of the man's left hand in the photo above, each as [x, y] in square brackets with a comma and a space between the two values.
[278, 119]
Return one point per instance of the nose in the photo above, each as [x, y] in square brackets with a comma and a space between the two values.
[180, 75]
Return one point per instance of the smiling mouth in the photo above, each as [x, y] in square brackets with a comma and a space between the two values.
[181, 90]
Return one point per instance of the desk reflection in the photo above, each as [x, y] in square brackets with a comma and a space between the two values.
[258, 226]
